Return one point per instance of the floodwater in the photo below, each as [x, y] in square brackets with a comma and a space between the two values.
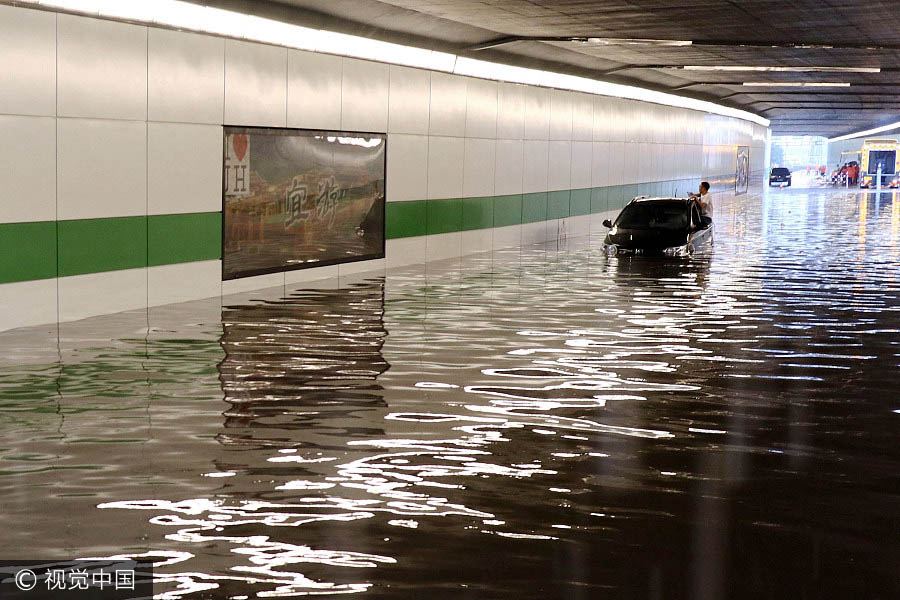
[534, 423]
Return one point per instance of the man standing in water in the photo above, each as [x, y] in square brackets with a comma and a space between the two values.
[704, 199]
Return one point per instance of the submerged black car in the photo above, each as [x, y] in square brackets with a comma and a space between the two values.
[780, 176]
[658, 226]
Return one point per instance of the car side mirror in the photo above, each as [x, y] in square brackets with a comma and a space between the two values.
[607, 223]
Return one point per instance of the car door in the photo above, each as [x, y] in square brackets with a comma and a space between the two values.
[699, 234]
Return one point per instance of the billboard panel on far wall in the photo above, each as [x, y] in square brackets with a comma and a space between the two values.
[294, 199]
[742, 170]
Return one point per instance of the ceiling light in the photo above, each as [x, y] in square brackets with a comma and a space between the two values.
[881, 129]
[793, 84]
[631, 42]
[204, 19]
[783, 69]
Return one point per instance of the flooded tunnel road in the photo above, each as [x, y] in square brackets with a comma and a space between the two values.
[543, 422]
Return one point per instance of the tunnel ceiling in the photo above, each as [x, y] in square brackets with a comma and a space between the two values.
[535, 33]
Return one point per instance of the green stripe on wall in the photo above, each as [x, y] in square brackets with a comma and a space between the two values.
[443, 216]
[477, 213]
[98, 245]
[183, 238]
[30, 251]
[558, 205]
[534, 207]
[580, 202]
[404, 219]
[27, 251]
[598, 199]
[508, 210]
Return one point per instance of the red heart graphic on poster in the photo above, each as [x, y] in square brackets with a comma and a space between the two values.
[239, 143]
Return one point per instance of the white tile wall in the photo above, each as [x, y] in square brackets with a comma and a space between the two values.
[536, 166]
[582, 155]
[374, 268]
[617, 158]
[28, 156]
[364, 96]
[410, 96]
[583, 117]
[25, 303]
[407, 167]
[507, 237]
[644, 162]
[617, 115]
[255, 84]
[442, 246]
[668, 126]
[102, 69]
[478, 240]
[450, 136]
[448, 105]
[445, 167]
[184, 168]
[535, 233]
[28, 48]
[630, 122]
[306, 275]
[537, 113]
[246, 284]
[559, 175]
[168, 284]
[314, 90]
[602, 119]
[510, 111]
[600, 164]
[668, 161]
[82, 296]
[561, 115]
[102, 168]
[194, 65]
[405, 251]
[481, 108]
[578, 226]
[632, 163]
[478, 167]
[509, 174]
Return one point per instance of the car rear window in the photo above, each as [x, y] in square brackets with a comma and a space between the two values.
[780, 171]
[654, 215]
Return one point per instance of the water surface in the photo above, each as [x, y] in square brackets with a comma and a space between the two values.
[534, 423]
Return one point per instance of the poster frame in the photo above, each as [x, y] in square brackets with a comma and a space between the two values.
[739, 188]
[302, 266]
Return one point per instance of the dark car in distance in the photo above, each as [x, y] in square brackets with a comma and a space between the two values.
[780, 176]
[658, 227]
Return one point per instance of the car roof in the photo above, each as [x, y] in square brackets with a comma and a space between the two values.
[662, 199]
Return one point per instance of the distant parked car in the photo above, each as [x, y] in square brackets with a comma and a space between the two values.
[780, 176]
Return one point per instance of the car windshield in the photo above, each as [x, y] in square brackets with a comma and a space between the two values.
[780, 172]
[654, 215]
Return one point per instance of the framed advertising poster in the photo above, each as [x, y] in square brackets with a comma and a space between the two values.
[742, 170]
[296, 198]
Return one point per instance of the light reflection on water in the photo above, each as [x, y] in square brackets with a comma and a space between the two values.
[536, 423]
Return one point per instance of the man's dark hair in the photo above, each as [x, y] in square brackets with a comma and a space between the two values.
[705, 185]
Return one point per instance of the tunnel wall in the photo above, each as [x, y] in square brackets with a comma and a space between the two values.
[113, 148]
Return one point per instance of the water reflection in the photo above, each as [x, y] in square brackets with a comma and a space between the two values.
[543, 422]
[301, 371]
